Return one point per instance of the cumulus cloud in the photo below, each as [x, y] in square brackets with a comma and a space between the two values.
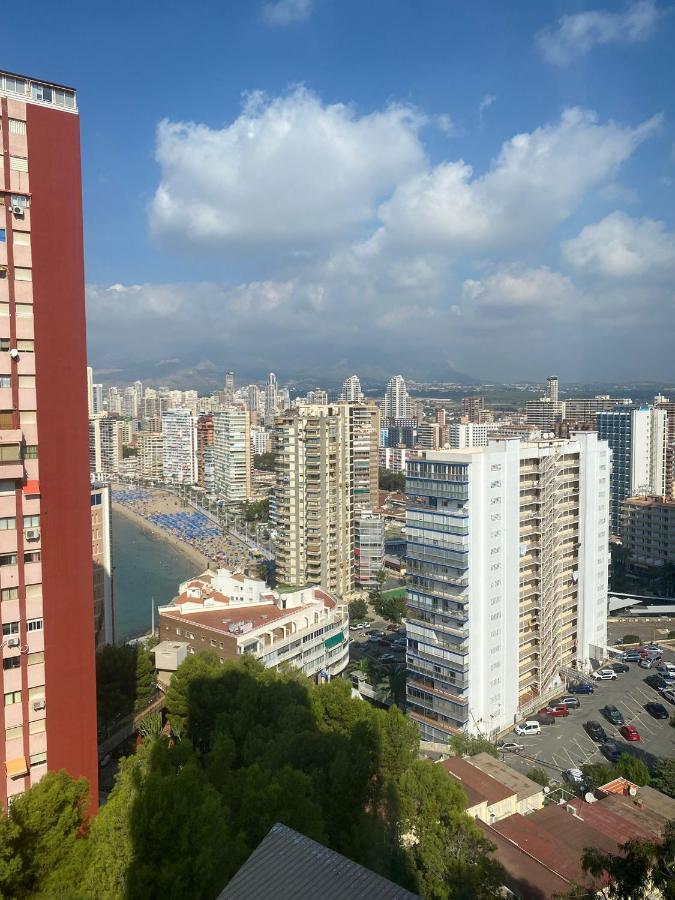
[575, 35]
[285, 12]
[515, 291]
[537, 181]
[622, 247]
[289, 172]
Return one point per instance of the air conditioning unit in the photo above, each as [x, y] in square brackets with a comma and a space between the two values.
[18, 211]
[14, 642]
[39, 704]
[32, 534]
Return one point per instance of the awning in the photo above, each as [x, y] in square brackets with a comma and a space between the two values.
[333, 641]
[32, 486]
[17, 767]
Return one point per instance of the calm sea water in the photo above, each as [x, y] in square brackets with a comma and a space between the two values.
[145, 568]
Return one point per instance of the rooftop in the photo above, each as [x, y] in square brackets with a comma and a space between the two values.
[525, 875]
[258, 615]
[479, 783]
[35, 90]
[650, 502]
[522, 786]
[289, 866]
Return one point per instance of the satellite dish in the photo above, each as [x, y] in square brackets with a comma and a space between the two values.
[589, 797]
[547, 790]
[632, 790]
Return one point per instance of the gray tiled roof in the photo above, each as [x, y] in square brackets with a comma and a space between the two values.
[290, 866]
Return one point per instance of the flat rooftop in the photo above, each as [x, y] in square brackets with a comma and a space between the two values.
[668, 502]
[522, 786]
[259, 616]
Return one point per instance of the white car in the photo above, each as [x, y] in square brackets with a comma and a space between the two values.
[668, 695]
[573, 776]
[529, 727]
[604, 675]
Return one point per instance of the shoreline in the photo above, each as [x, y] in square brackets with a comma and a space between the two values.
[193, 555]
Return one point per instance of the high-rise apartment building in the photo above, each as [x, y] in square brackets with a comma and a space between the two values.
[97, 406]
[669, 407]
[48, 676]
[429, 436]
[90, 391]
[261, 441]
[472, 408]
[101, 543]
[637, 438]
[368, 548]
[205, 442]
[351, 390]
[232, 454]
[255, 399]
[151, 454]
[364, 426]
[313, 497]
[471, 434]
[271, 395]
[552, 388]
[507, 563]
[397, 403]
[179, 446]
[106, 442]
[544, 413]
[648, 534]
[584, 410]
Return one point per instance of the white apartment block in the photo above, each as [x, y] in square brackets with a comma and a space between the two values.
[233, 616]
[179, 446]
[394, 458]
[261, 441]
[232, 454]
[461, 436]
[507, 561]
[151, 454]
[397, 403]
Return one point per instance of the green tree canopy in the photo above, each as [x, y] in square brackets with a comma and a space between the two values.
[470, 745]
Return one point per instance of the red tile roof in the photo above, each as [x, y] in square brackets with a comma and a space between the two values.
[472, 778]
[610, 822]
[219, 619]
[525, 876]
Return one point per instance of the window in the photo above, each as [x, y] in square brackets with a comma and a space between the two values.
[18, 163]
[11, 734]
[7, 523]
[6, 419]
[16, 126]
[5, 381]
[38, 759]
[24, 310]
[4, 344]
[31, 521]
[10, 453]
[22, 274]
[30, 452]
[12, 662]
[64, 98]
[37, 693]
[4, 312]
[42, 92]
[26, 346]
[35, 659]
[32, 556]
[33, 591]
[20, 200]
[10, 593]
[3, 234]
[37, 727]
[10, 628]
[16, 85]
[34, 625]
[21, 238]
[12, 697]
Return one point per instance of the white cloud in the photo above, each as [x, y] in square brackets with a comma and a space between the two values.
[485, 103]
[575, 35]
[536, 182]
[515, 291]
[621, 247]
[285, 12]
[289, 172]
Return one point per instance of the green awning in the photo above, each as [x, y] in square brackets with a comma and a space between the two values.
[333, 641]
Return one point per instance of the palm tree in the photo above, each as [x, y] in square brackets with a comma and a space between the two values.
[395, 673]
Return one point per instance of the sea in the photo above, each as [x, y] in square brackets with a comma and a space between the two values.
[146, 570]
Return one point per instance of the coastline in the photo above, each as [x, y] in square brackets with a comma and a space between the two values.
[193, 555]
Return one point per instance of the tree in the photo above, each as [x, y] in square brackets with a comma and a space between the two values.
[539, 776]
[264, 461]
[642, 869]
[630, 639]
[125, 680]
[145, 677]
[40, 833]
[664, 777]
[393, 608]
[358, 610]
[395, 674]
[391, 481]
[468, 745]
[257, 511]
[597, 774]
[180, 702]
[633, 769]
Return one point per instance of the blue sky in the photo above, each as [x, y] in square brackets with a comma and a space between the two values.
[338, 185]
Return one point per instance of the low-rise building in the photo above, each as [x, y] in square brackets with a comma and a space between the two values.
[233, 615]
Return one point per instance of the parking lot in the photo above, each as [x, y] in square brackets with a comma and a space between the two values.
[566, 744]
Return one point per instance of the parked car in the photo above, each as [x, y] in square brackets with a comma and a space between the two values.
[613, 715]
[574, 777]
[658, 682]
[572, 702]
[581, 688]
[630, 732]
[604, 675]
[631, 656]
[557, 712]
[366, 625]
[650, 653]
[510, 746]
[666, 667]
[646, 662]
[529, 727]
[668, 695]
[545, 719]
[619, 668]
[657, 710]
[596, 732]
[611, 751]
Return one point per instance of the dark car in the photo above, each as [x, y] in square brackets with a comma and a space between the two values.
[619, 667]
[612, 751]
[657, 710]
[544, 719]
[631, 656]
[596, 732]
[612, 714]
[657, 682]
[581, 688]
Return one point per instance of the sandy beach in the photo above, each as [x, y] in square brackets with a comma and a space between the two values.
[200, 561]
